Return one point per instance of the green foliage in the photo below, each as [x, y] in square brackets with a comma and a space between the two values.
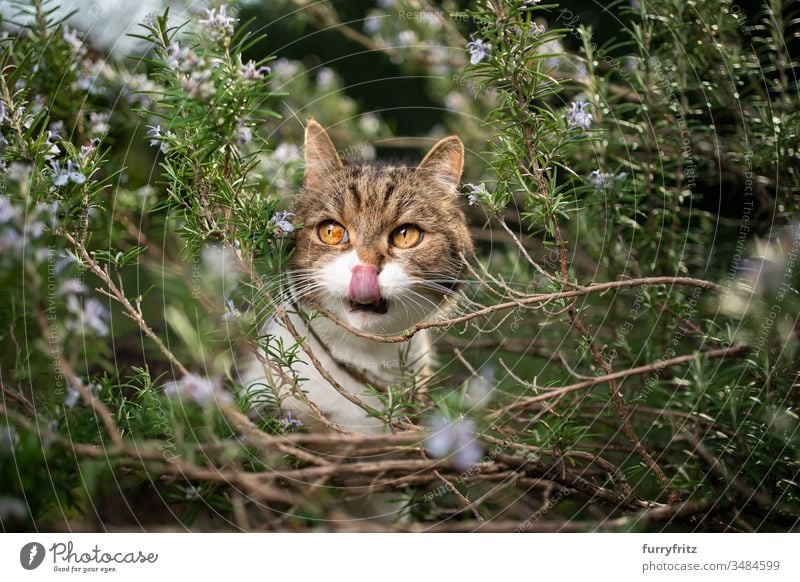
[666, 149]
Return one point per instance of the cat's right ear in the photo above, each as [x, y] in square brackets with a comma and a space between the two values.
[320, 156]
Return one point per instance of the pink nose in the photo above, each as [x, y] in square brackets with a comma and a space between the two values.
[364, 284]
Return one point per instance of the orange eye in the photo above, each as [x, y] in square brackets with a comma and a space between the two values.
[406, 236]
[332, 233]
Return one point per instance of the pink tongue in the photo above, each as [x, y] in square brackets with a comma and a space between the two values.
[364, 284]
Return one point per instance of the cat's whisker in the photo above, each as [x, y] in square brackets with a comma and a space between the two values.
[411, 294]
[436, 287]
[403, 301]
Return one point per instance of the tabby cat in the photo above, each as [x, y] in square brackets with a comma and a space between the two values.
[380, 249]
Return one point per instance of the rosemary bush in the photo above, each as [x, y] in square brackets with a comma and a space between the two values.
[625, 350]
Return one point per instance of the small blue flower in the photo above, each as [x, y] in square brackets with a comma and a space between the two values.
[71, 399]
[478, 50]
[476, 193]
[177, 56]
[454, 438]
[244, 134]
[603, 180]
[8, 212]
[94, 316]
[231, 311]
[73, 39]
[250, 72]
[281, 220]
[158, 138]
[481, 387]
[69, 174]
[289, 422]
[325, 79]
[372, 24]
[203, 391]
[53, 135]
[217, 21]
[577, 116]
[192, 492]
[98, 123]
[88, 149]
[155, 132]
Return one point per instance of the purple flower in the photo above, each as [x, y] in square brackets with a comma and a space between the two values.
[217, 21]
[480, 388]
[244, 134]
[289, 422]
[93, 315]
[88, 149]
[73, 38]
[70, 286]
[90, 73]
[202, 391]
[537, 29]
[478, 50]
[476, 193]
[18, 171]
[372, 24]
[231, 311]
[71, 399]
[251, 72]
[577, 116]
[325, 78]
[158, 138]
[69, 174]
[192, 492]
[98, 123]
[603, 180]
[53, 135]
[455, 438]
[281, 220]
[175, 54]
[8, 212]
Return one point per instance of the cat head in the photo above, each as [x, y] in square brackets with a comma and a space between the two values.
[381, 246]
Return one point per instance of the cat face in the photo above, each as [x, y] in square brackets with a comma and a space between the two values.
[381, 246]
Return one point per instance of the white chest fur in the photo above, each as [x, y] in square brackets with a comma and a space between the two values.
[349, 359]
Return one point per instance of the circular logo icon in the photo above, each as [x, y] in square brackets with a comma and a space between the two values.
[31, 555]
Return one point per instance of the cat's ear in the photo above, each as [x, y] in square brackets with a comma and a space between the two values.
[444, 162]
[320, 155]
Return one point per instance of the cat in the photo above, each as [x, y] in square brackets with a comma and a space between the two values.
[381, 248]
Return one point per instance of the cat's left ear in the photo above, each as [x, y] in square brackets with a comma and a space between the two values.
[445, 162]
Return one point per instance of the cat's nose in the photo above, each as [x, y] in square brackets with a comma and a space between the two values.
[364, 284]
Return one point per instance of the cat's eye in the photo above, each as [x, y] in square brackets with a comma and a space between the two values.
[332, 233]
[406, 236]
